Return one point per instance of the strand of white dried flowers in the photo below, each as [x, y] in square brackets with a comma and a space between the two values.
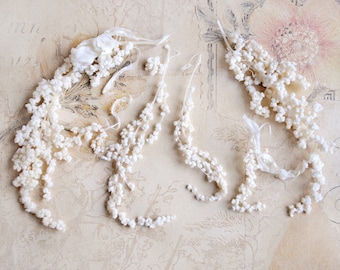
[255, 160]
[253, 66]
[194, 157]
[128, 150]
[43, 141]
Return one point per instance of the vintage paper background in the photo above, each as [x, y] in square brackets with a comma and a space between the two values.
[36, 36]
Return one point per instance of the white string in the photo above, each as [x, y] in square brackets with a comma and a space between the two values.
[123, 32]
[116, 75]
[190, 89]
[265, 161]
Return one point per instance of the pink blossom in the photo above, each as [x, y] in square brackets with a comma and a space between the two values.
[308, 35]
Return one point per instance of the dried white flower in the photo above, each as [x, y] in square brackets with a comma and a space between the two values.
[154, 66]
[269, 82]
[44, 141]
[128, 150]
[194, 157]
[253, 66]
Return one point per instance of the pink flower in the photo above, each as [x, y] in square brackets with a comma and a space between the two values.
[308, 35]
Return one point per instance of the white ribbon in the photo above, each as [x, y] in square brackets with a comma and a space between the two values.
[116, 75]
[265, 161]
[123, 32]
[88, 50]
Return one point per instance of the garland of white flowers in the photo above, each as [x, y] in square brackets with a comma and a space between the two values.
[194, 157]
[128, 150]
[256, 160]
[253, 66]
[43, 141]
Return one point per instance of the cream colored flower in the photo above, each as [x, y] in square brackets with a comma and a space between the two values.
[308, 35]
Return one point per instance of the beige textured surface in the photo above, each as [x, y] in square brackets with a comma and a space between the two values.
[37, 35]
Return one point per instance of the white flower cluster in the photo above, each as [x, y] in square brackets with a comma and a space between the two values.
[44, 141]
[253, 66]
[239, 203]
[304, 206]
[96, 56]
[255, 160]
[128, 151]
[270, 82]
[154, 66]
[194, 157]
